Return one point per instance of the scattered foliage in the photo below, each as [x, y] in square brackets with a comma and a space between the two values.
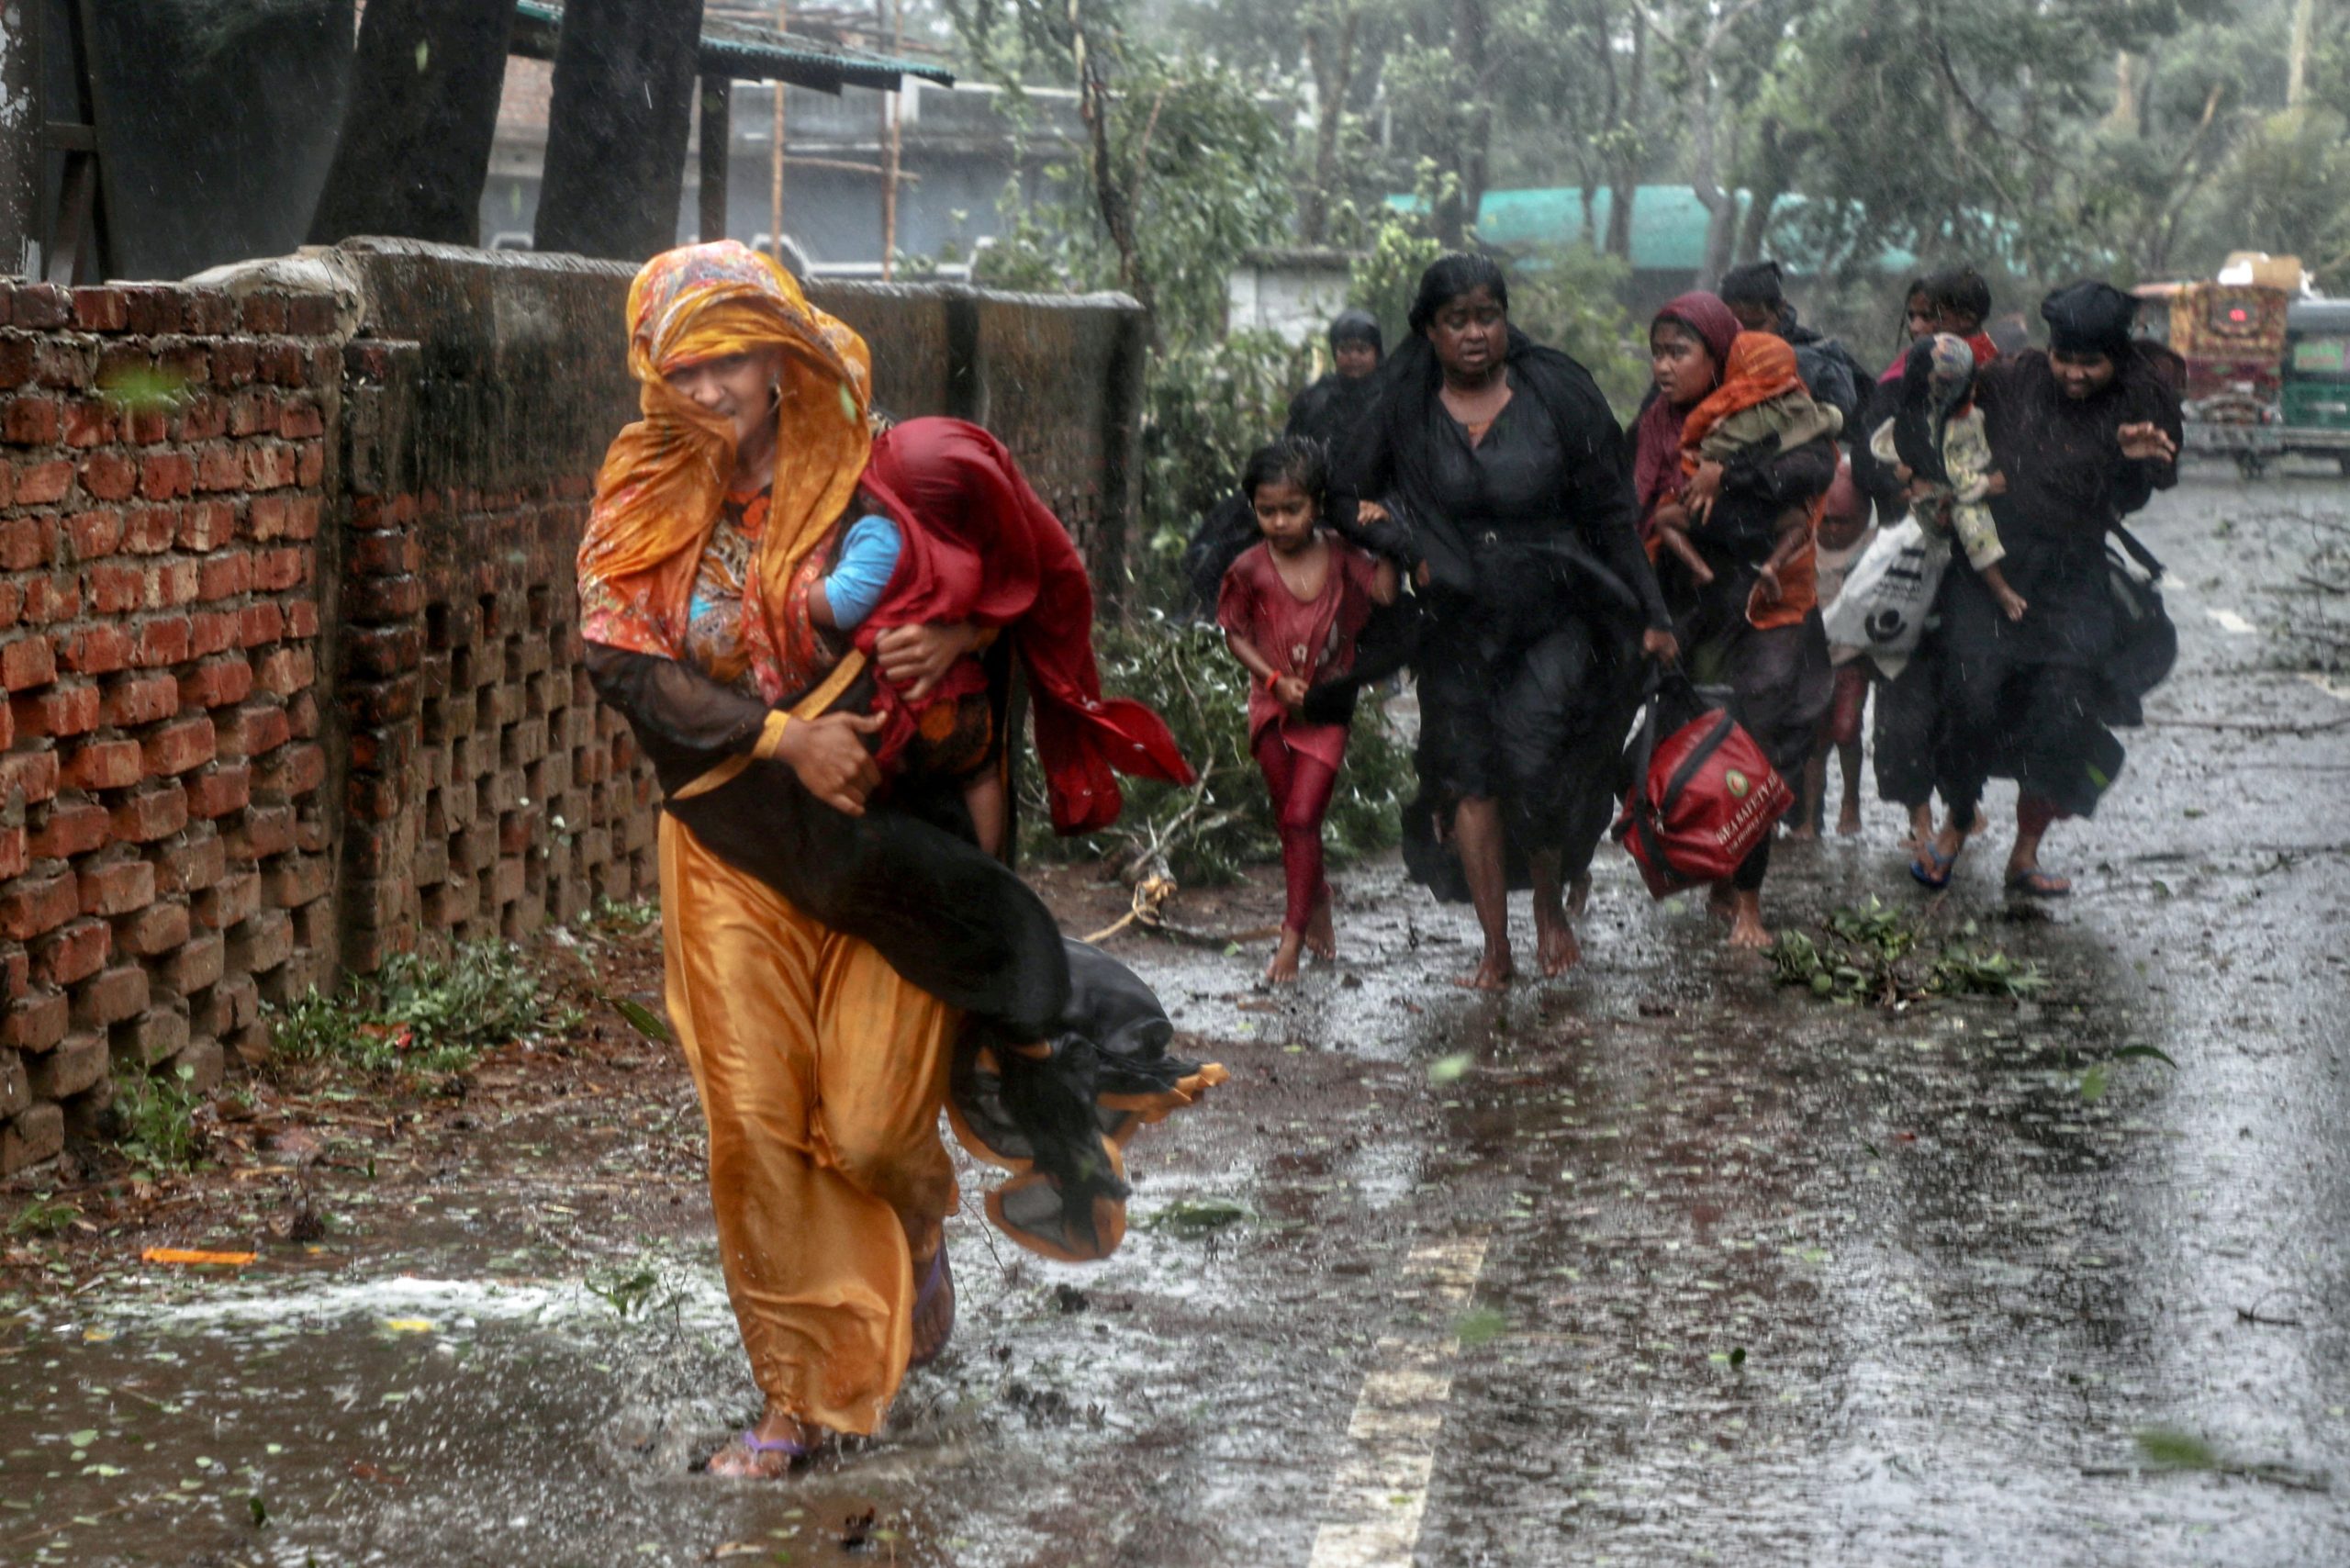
[1205, 834]
[1877, 954]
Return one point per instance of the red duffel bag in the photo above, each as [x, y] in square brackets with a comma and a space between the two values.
[1701, 798]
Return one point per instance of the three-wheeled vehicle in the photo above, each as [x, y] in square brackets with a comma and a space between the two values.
[2315, 400]
[2232, 337]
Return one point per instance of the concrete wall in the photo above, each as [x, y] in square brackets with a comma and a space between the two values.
[288, 624]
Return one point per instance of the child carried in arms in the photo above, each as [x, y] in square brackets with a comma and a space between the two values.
[1935, 444]
[1759, 410]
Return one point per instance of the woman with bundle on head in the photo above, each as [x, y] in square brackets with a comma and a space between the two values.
[841, 959]
[1766, 647]
[2084, 435]
[1492, 469]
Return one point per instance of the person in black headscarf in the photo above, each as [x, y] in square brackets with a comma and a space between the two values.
[1328, 409]
[1494, 470]
[2084, 434]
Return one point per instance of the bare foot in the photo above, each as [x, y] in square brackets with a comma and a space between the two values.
[1556, 948]
[781, 1440]
[1282, 970]
[1746, 927]
[1847, 823]
[1321, 935]
[1803, 833]
[1921, 829]
[1579, 894]
[1494, 974]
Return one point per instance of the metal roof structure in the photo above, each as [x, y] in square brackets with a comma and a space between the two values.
[740, 52]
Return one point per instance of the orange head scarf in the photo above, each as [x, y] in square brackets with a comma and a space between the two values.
[664, 477]
[1762, 366]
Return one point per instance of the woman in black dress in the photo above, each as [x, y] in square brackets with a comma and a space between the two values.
[2084, 435]
[1492, 469]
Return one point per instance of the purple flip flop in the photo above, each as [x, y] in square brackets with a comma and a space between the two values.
[940, 1277]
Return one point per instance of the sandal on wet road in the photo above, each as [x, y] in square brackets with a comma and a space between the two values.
[2036, 883]
[1938, 878]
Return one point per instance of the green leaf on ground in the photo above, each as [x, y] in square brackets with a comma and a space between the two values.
[1194, 1216]
[1452, 1069]
[2128, 1053]
[2167, 1449]
[1479, 1326]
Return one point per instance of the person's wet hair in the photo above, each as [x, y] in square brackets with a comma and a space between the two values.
[1449, 278]
[1292, 460]
[1962, 292]
[1756, 283]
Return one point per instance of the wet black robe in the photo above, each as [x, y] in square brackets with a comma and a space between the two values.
[1527, 637]
[2031, 700]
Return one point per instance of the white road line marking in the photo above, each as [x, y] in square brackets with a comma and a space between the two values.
[2234, 625]
[2332, 687]
[1381, 1489]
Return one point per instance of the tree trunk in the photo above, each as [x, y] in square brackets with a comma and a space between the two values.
[414, 148]
[1456, 217]
[1774, 160]
[1625, 182]
[2297, 59]
[1704, 181]
[617, 127]
[1334, 66]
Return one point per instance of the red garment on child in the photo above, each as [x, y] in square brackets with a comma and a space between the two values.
[1301, 786]
[999, 557]
[1312, 639]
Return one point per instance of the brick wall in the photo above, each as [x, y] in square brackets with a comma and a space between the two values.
[289, 628]
[164, 841]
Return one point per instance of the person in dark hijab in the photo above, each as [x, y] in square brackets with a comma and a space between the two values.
[1327, 410]
[1324, 412]
[2085, 433]
[1493, 470]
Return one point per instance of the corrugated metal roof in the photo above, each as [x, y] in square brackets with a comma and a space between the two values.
[749, 54]
[1668, 225]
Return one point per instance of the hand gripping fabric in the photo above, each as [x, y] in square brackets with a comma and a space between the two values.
[1701, 798]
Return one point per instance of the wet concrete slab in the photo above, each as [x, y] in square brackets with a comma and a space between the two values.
[1659, 1263]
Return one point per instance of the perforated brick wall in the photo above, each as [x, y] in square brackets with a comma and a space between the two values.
[289, 626]
[165, 835]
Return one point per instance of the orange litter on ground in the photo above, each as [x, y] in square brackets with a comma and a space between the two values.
[192, 1256]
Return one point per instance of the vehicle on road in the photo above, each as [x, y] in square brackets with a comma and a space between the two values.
[2314, 399]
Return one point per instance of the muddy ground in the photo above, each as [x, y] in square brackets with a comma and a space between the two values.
[1657, 1264]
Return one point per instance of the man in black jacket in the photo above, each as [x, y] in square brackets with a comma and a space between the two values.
[1756, 296]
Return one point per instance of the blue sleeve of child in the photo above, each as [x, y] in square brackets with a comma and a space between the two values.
[869, 559]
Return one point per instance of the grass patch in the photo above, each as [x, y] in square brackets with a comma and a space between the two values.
[421, 1013]
[153, 1116]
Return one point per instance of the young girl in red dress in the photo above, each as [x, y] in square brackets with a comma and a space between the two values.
[1289, 609]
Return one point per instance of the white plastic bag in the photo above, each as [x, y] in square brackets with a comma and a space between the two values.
[1887, 596]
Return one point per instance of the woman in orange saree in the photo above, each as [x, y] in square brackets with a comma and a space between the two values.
[842, 962]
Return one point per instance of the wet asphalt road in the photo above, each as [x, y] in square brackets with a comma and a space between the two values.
[1658, 1264]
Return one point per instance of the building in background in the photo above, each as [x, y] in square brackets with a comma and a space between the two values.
[958, 148]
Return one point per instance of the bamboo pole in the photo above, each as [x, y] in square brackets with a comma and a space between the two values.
[775, 150]
[894, 108]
